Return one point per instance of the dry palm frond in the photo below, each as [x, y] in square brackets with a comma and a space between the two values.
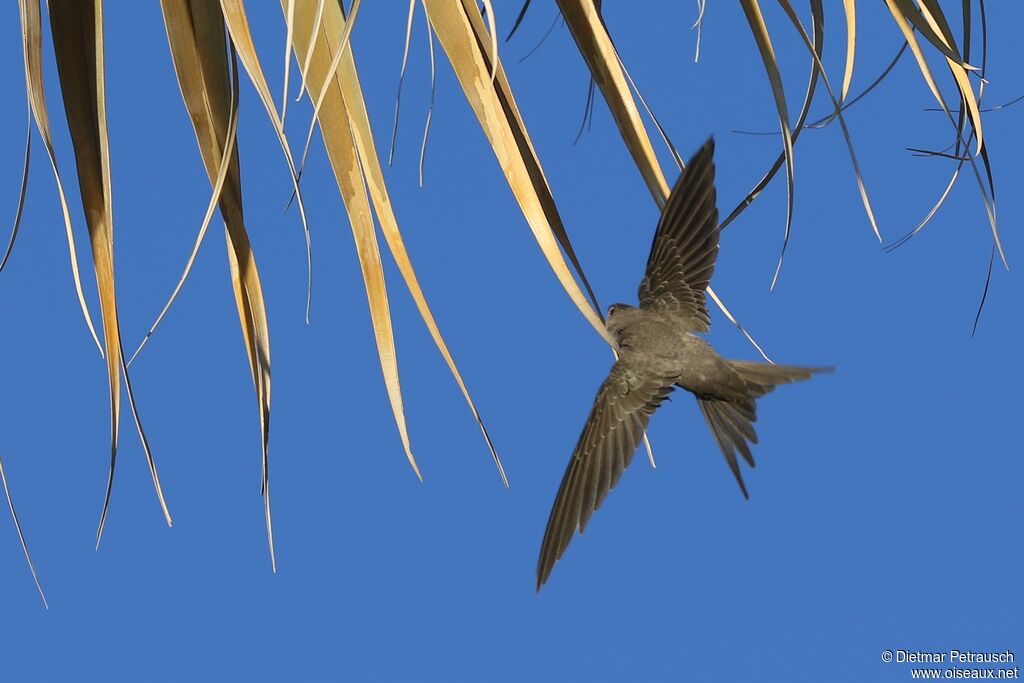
[32, 49]
[850, 101]
[77, 29]
[195, 32]
[401, 80]
[21, 195]
[21, 534]
[318, 33]
[934, 22]
[343, 158]
[349, 22]
[430, 105]
[771, 65]
[609, 73]
[333, 83]
[984, 291]
[817, 11]
[238, 26]
[306, 60]
[289, 23]
[925, 17]
[598, 50]
[460, 32]
[812, 83]
[584, 21]
[850, 14]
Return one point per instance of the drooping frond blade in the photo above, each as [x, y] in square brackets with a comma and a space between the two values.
[77, 29]
[195, 32]
[21, 195]
[495, 108]
[347, 94]
[752, 10]
[342, 152]
[817, 11]
[21, 534]
[608, 71]
[850, 14]
[812, 83]
[238, 26]
[907, 25]
[597, 49]
[32, 46]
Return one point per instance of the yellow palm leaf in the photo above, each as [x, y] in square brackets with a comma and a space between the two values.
[77, 29]
[344, 89]
[195, 32]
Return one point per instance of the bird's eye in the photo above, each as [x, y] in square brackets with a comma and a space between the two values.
[611, 310]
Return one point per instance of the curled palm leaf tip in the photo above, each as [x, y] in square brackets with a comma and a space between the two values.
[659, 351]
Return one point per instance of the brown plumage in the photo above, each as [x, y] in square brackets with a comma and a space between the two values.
[658, 351]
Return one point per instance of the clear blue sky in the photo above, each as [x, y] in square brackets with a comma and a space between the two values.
[884, 513]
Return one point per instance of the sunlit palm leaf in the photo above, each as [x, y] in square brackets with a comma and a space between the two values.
[195, 32]
[508, 103]
[341, 145]
[238, 26]
[818, 21]
[817, 12]
[850, 13]
[401, 80]
[329, 74]
[21, 534]
[608, 71]
[21, 194]
[347, 94]
[762, 37]
[32, 47]
[289, 21]
[307, 58]
[931, 23]
[850, 101]
[904, 23]
[318, 33]
[925, 17]
[935, 18]
[583, 20]
[495, 108]
[77, 29]
[504, 91]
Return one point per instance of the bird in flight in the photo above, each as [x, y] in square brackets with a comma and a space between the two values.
[657, 350]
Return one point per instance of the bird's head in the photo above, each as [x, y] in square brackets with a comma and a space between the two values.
[615, 318]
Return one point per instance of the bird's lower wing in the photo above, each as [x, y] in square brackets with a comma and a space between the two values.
[610, 437]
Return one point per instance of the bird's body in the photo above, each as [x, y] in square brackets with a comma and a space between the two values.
[661, 344]
[658, 350]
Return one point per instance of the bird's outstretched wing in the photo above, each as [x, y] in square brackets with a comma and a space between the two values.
[610, 437]
[685, 244]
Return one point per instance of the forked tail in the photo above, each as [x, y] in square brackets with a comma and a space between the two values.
[732, 422]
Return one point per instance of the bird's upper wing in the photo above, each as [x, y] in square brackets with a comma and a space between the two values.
[685, 244]
[610, 437]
